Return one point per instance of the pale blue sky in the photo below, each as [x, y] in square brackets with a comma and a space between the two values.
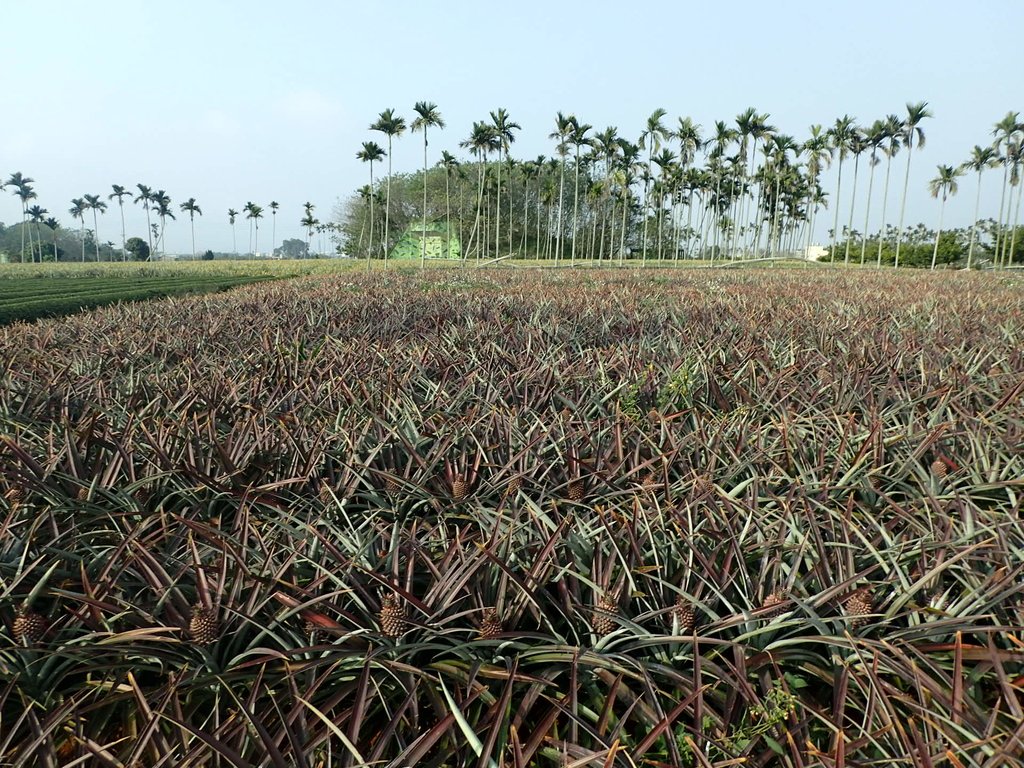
[229, 101]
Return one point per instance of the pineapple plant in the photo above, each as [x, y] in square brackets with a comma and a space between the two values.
[29, 627]
[774, 604]
[204, 624]
[15, 497]
[703, 485]
[683, 614]
[490, 624]
[603, 621]
[514, 486]
[577, 490]
[858, 607]
[459, 488]
[392, 487]
[392, 616]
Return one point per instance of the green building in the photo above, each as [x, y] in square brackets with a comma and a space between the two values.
[436, 234]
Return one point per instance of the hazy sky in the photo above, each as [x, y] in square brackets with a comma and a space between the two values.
[231, 101]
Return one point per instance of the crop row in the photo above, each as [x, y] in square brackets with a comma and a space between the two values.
[532, 518]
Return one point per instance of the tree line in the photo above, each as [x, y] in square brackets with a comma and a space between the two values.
[40, 232]
[743, 190]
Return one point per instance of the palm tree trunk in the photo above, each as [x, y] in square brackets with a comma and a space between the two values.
[575, 206]
[853, 202]
[124, 241]
[497, 218]
[974, 226]
[81, 220]
[622, 234]
[903, 202]
[423, 233]
[935, 251]
[867, 210]
[558, 223]
[885, 205]
[1013, 231]
[192, 224]
[387, 208]
[448, 211]
[1000, 235]
[835, 223]
[369, 252]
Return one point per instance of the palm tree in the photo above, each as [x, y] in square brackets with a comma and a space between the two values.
[450, 165]
[77, 211]
[254, 213]
[391, 125]
[1005, 132]
[944, 184]
[370, 153]
[482, 140]
[873, 138]
[36, 215]
[503, 128]
[858, 144]
[817, 149]
[688, 135]
[54, 225]
[981, 158]
[232, 215]
[309, 222]
[192, 208]
[563, 129]
[893, 131]
[578, 138]
[94, 204]
[427, 116]
[163, 209]
[274, 205]
[23, 191]
[651, 139]
[911, 131]
[145, 197]
[841, 137]
[121, 193]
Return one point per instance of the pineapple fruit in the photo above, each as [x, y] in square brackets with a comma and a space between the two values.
[204, 625]
[28, 628]
[392, 616]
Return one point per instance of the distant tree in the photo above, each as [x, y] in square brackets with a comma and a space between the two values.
[370, 153]
[145, 197]
[36, 215]
[138, 248]
[192, 208]
[23, 191]
[77, 211]
[274, 205]
[981, 158]
[911, 131]
[292, 248]
[503, 128]
[208, 255]
[254, 213]
[427, 116]
[309, 222]
[232, 215]
[120, 193]
[945, 185]
[391, 125]
[94, 204]
[162, 201]
[54, 225]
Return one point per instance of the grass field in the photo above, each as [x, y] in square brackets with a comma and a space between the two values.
[33, 291]
[513, 517]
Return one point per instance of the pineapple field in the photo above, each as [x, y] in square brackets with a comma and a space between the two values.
[519, 517]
